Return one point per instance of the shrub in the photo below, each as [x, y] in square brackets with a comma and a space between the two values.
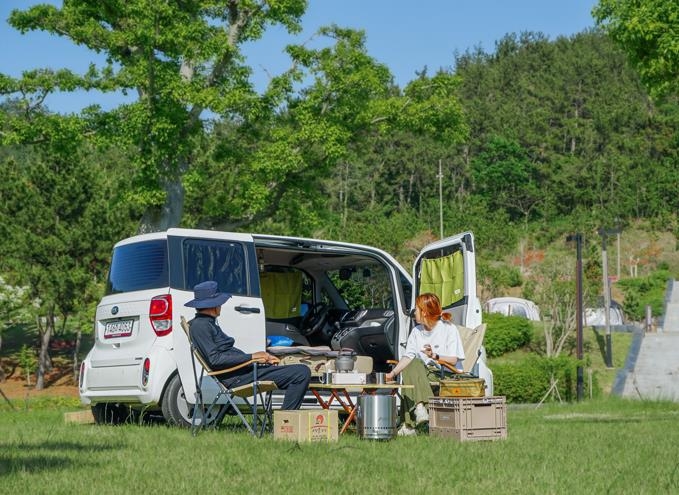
[506, 333]
[644, 291]
[529, 380]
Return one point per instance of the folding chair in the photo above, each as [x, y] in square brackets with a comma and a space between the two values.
[472, 339]
[259, 391]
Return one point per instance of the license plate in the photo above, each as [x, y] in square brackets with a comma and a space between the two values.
[120, 328]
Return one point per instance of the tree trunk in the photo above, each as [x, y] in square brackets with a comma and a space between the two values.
[44, 357]
[157, 219]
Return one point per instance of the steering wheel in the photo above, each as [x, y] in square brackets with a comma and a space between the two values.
[314, 319]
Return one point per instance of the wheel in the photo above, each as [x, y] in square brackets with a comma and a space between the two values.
[111, 413]
[177, 411]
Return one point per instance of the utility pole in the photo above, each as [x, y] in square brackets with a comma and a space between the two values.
[618, 253]
[604, 233]
[578, 311]
[440, 177]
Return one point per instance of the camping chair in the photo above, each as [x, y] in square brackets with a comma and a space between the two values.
[257, 390]
[472, 339]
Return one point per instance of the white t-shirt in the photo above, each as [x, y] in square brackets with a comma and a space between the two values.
[444, 339]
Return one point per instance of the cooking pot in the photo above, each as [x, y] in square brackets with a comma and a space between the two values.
[345, 360]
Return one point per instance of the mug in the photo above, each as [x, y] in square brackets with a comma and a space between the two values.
[380, 378]
[326, 377]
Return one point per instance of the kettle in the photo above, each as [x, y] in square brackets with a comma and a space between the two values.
[345, 360]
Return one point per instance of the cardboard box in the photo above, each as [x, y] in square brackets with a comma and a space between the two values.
[311, 425]
[79, 417]
[468, 418]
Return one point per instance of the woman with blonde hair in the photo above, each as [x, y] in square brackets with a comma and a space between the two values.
[435, 339]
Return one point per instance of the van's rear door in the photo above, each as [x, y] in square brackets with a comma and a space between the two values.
[229, 259]
[448, 269]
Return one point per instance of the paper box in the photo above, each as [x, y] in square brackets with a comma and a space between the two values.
[311, 425]
[465, 419]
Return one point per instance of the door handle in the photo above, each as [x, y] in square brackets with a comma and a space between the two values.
[246, 309]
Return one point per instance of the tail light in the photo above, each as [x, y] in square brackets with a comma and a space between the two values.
[145, 372]
[160, 314]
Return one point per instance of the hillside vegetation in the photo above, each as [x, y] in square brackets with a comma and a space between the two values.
[537, 140]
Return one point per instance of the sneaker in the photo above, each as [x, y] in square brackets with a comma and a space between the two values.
[406, 431]
[421, 414]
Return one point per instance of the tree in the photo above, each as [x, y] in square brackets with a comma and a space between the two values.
[60, 206]
[647, 31]
[182, 59]
[14, 307]
[553, 288]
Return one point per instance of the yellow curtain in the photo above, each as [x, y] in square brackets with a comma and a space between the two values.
[281, 293]
[444, 277]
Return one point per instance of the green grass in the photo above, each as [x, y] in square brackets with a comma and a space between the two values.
[611, 446]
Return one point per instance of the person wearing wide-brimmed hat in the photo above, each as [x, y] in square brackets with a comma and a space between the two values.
[220, 353]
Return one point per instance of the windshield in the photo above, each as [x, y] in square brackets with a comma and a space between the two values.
[363, 286]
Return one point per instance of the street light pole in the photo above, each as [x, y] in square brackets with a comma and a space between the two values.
[607, 303]
[578, 310]
[604, 233]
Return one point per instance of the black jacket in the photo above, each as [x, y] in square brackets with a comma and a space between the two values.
[214, 345]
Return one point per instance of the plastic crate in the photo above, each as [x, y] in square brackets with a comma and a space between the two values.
[468, 418]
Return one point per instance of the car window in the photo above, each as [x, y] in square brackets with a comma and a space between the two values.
[222, 261]
[138, 266]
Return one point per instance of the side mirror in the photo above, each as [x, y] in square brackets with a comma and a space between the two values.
[345, 273]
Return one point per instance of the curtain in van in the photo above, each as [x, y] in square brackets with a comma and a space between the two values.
[444, 277]
[281, 293]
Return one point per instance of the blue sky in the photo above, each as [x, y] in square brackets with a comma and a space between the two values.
[403, 34]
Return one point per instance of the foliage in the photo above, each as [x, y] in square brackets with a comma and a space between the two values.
[646, 30]
[529, 380]
[27, 361]
[15, 306]
[505, 333]
[644, 291]
[182, 58]
[60, 208]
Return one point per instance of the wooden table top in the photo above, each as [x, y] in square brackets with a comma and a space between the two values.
[358, 386]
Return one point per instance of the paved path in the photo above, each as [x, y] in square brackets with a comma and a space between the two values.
[655, 373]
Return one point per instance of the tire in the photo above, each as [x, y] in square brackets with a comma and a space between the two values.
[177, 411]
[111, 413]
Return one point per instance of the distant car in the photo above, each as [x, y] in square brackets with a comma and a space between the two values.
[596, 317]
[513, 306]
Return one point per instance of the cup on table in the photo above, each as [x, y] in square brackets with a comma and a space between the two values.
[380, 378]
[326, 377]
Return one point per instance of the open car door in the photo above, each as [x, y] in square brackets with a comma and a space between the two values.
[447, 268]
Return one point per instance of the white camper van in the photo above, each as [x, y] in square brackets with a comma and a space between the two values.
[307, 291]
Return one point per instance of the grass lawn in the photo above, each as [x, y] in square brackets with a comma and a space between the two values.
[607, 446]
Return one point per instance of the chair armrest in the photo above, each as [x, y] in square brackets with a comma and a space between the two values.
[233, 368]
[449, 367]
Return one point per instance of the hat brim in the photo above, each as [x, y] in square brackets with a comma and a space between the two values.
[210, 302]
